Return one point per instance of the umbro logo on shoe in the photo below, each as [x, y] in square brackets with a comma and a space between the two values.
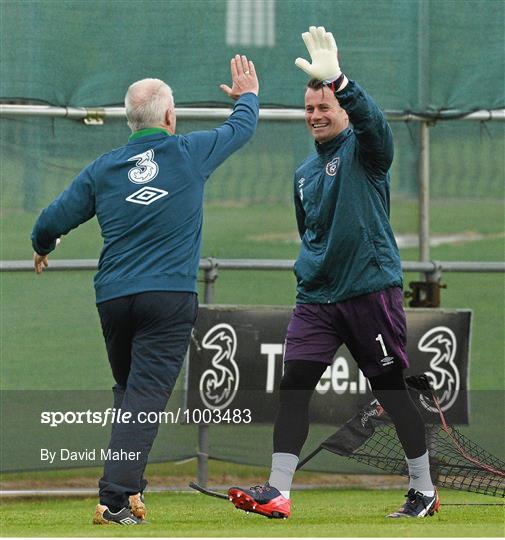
[128, 521]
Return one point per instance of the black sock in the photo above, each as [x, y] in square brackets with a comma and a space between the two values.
[392, 393]
[292, 423]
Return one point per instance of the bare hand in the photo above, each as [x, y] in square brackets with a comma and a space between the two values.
[243, 76]
[40, 262]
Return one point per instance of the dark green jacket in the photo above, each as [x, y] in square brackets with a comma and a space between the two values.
[342, 209]
[147, 196]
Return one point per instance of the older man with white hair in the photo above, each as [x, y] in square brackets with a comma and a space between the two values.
[148, 197]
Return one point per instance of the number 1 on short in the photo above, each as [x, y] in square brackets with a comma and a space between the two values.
[381, 341]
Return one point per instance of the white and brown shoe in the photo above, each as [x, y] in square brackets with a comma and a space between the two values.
[103, 516]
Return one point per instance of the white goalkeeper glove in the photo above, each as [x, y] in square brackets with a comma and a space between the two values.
[323, 53]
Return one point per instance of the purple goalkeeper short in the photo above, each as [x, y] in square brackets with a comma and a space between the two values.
[373, 327]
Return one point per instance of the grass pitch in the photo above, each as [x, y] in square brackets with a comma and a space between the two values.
[261, 231]
[315, 513]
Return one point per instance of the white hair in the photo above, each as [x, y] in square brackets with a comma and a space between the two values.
[147, 102]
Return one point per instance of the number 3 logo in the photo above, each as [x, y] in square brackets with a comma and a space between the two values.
[146, 168]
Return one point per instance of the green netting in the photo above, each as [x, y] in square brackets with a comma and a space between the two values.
[411, 56]
[416, 55]
[40, 156]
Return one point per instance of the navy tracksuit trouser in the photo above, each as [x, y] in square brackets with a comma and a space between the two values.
[147, 336]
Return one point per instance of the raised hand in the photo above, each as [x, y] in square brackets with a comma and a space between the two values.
[323, 53]
[243, 76]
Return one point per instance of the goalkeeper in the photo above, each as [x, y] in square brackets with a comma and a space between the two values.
[349, 280]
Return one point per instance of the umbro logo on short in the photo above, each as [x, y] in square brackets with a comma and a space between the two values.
[146, 195]
[386, 361]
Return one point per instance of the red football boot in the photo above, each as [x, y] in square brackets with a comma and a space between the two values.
[265, 500]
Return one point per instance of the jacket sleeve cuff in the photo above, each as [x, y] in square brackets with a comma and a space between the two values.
[40, 250]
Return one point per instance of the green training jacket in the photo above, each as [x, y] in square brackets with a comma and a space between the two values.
[341, 195]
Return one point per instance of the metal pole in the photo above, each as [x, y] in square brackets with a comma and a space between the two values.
[58, 265]
[205, 113]
[210, 276]
[203, 454]
[424, 193]
[423, 90]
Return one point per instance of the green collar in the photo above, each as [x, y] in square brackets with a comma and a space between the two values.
[147, 131]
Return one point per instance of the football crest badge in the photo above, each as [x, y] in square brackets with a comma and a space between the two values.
[332, 166]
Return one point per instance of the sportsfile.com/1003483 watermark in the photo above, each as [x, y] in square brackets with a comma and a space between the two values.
[118, 416]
